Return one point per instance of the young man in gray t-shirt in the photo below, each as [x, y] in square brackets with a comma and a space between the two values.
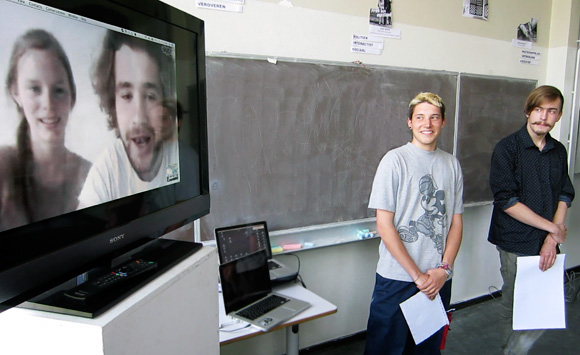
[418, 195]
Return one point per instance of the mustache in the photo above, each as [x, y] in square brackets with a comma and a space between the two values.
[542, 123]
[142, 130]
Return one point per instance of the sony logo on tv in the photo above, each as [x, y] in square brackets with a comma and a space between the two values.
[116, 239]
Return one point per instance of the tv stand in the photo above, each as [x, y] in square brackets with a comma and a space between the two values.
[165, 253]
[176, 313]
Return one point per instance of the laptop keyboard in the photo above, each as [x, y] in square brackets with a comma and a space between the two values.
[262, 307]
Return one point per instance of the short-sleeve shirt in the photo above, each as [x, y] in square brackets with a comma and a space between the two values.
[520, 172]
[424, 189]
[112, 175]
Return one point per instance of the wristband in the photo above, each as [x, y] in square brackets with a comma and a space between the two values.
[448, 270]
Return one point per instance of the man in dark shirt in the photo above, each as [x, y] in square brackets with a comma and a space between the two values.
[532, 192]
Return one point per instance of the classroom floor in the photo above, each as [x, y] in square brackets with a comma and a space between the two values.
[473, 330]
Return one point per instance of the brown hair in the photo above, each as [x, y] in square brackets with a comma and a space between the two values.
[42, 40]
[541, 94]
[103, 77]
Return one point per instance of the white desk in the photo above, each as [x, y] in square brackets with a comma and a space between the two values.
[319, 307]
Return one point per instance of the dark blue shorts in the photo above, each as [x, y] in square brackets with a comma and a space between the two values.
[387, 330]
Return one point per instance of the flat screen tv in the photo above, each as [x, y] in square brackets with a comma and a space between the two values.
[103, 146]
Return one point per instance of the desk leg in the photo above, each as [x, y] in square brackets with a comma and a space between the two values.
[292, 340]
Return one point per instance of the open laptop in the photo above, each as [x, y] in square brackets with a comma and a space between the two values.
[237, 241]
[246, 288]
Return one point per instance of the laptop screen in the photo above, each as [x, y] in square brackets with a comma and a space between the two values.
[245, 280]
[235, 242]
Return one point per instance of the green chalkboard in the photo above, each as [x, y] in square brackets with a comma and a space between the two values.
[490, 108]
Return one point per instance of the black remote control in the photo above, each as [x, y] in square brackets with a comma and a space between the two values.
[116, 277]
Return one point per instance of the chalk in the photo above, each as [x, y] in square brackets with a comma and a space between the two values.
[364, 234]
[277, 249]
[308, 244]
[294, 246]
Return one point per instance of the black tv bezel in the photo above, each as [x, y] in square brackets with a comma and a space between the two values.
[98, 245]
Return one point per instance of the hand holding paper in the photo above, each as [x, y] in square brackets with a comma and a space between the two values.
[539, 295]
[424, 316]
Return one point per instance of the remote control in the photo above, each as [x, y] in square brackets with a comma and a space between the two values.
[116, 277]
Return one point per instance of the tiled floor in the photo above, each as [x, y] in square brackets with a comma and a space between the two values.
[474, 331]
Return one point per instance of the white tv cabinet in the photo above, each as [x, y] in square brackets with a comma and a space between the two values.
[177, 313]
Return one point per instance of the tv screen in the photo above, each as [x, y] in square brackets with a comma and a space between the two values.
[104, 139]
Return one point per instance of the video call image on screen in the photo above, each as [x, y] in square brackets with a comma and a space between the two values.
[89, 113]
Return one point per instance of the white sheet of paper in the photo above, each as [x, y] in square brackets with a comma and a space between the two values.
[539, 301]
[424, 317]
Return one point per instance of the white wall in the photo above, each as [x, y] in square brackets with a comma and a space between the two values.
[433, 40]
[434, 36]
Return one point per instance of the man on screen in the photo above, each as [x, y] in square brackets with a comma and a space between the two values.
[134, 80]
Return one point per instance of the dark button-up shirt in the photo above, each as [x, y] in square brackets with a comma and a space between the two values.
[520, 172]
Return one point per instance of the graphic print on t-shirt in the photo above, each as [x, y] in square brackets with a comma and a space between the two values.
[433, 221]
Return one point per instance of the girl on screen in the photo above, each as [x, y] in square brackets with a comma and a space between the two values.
[39, 177]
